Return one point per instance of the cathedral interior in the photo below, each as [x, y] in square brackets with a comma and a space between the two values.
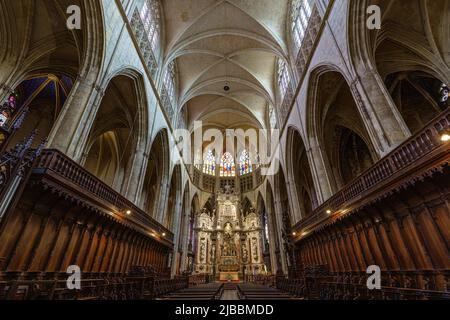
[225, 149]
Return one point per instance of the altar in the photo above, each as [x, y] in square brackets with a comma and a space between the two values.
[229, 276]
[229, 244]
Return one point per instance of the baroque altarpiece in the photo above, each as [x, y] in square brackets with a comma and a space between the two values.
[229, 242]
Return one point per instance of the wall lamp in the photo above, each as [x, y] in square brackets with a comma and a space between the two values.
[445, 135]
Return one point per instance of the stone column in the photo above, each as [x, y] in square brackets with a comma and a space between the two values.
[135, 181]
[278, 216]
[176, 232]
[9, 76]
[185, 240]
[379, 113]
[5, 91]
[162, 199]
[71, 130]
[323, 181]
[296, 214]
[272, 238]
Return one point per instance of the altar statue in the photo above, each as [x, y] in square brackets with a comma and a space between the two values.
[228, 229]
[229, 248]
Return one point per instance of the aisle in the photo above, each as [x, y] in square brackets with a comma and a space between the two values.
[230, 295]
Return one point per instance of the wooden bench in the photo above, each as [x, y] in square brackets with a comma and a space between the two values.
[201, 292]
[259, 292]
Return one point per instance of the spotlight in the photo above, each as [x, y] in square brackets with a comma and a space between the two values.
[128, 212]
[294, 233]
[445, 136]
[328, 211]
[163, 234]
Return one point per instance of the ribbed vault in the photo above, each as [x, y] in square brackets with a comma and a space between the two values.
[233, 43]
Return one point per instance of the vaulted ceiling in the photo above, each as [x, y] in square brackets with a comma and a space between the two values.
[412, 31]
[37, 35]
[218, 43]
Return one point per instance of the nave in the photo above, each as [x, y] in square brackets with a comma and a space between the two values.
[169, 146]
[138, 286]
[229, 291]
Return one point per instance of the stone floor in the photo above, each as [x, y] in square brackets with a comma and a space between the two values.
[230, 295]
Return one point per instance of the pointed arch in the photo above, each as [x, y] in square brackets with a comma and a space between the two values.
[86, 46]
[263, 214]
[183, 238]
[424, 44]
[156, 175]
[55, 52]
[281, 187]
[171, 219]
[407, 46]
[327, 119]
[246, 206]
[273, 230]
[305, 199]
[118, 131]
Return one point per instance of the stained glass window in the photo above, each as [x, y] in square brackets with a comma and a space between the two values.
[245, 165]
[209, 163]
[150, 15]
[8, 109]
[227, 166]
[4, 117]
[301, 12]
[266, 231]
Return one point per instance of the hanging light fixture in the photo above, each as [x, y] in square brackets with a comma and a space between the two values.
[226, 88]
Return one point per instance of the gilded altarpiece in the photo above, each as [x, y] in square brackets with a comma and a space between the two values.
[229, 242]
